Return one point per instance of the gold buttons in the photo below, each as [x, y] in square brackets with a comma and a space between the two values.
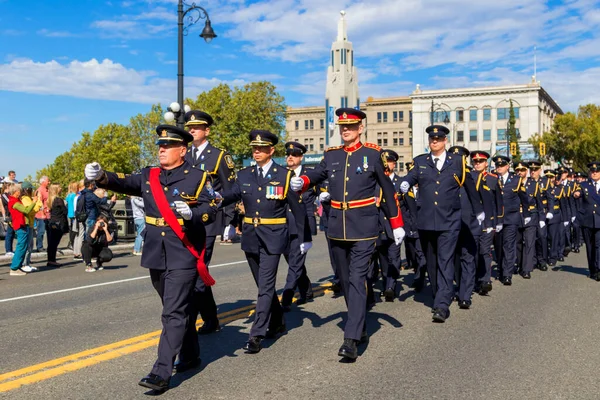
[348, 164]
[346, 193]
[257, 213]
[347, 178]
[166, 188]
[438, 182]
[259, 188]
[436, 193]
[435, 202]
[147, 191]
[258, 200]
[162, 234]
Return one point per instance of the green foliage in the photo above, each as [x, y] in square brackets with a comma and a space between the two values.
[574, 138]
[512, 132]
[143, 127]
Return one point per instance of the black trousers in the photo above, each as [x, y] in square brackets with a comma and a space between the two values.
[467, 255]
[336, 278]
[484, 262]
[54, 236]
[591, 237]
[577, 234]
[554, 238]
[526, 247]
[204, 301]
[297, 277]
[439, 247]
[351, 260]
[268, 310]
[415, 258]
[509, 250]
[178, 336]
[388, 255]
[541, 245]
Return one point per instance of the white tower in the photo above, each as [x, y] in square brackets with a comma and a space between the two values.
[342, 82]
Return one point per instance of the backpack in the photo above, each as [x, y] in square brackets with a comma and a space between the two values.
[80, 213]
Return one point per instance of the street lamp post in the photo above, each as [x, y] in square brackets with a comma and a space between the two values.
[177, 110]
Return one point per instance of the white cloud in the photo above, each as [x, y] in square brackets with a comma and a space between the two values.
[105, 80]
[55, 34]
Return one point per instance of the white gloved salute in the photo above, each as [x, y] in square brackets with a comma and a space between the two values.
[481, 217]
[499, 228]
[542, 224]
[183, 209]
[549, 216]
[404, 186]
[93, 171]
[325, 196]
[399, 235]
[304, 247]
[296, 183]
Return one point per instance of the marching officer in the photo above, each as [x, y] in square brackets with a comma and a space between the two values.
[440, 176]
[491, 194]
[527, 231]
[178, 202]
[220, 167]
[589, 217]
[514, 199]
[353, 171]
[264, 191]
[297, 277]
[541, 243]
[555, 223]
[566, 208]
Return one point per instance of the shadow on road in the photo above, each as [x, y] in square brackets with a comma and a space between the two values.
[573, 270]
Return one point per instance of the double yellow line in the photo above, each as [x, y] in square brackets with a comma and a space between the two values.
[59, 366]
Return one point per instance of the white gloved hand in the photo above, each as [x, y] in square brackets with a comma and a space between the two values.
[481, 217]
[549, 216]
[93, 171]
[304, 247]
[399, 235]
[566, 223]
[499, 228]
[542, 224]
[572, 219]
[489, 230]
[296, 183]
[183, 209]
[229, 232]
[527, 220]
[325, 196]
[404, 186]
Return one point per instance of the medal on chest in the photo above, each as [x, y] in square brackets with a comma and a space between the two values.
[274, 192]
[365, 163]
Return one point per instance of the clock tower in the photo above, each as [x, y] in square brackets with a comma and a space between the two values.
[342, 82]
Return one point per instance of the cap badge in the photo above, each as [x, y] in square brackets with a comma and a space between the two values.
[163, 133]
[594, 166]
[455, 151]
[435, 130]
[258, 138]
[291, 146]
[193, 117]
[344, 115]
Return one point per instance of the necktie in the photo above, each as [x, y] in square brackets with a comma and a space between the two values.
[435, 161]
[195, 153]
[260, 176]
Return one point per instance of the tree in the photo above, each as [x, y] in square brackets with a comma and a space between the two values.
[143, 127]
[512, 133]
[574, 138]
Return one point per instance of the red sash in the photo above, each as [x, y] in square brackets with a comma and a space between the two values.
[169, 216]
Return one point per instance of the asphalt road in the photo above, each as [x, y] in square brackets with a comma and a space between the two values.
[536, 339]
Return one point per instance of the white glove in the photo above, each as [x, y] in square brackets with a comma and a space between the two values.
[229, 232]
[527, 220]
[499, 228]
[304, 247]
[183, 209]
[93, 171]
[481, 217]
[404, 186]
[566, 223]
[549, 216]
[399, 235]
[542, 224]
[572, 219]
[489, 230]
[325, 196]
[296, 183]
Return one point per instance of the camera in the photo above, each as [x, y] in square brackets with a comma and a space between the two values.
[101, 224]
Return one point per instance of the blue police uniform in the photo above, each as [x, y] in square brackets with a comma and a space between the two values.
[589, 219]
[220, 167]
[353, 223]
[439, 216]
[567, 214]
[172, 267]
[554, 194]
[541, 243]
[266, 197]
[577, 233]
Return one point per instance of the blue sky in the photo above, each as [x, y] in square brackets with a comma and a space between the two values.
[68, 66]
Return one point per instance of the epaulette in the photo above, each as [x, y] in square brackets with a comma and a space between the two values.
[334, 148]
[492, 175]
[372, 146]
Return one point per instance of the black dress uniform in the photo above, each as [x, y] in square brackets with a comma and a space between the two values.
[514, 199]
[266, 197]
[325, 211]
[554, 194]
[589, 218]
[567, 214]
[439, 216]
[172, 267]
[353, 223]
[297, 277]
[541, 242]
[220, 167]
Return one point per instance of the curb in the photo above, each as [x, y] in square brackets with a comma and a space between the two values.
[64, 252]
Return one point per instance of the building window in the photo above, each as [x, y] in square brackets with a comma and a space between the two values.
[385, 116]
[410, 141]
[378, 117]
[385, 142]
[321, 147]
[473, 115]
[322, 124]
[504, 113]
[473, 135]
[460, 116]
[410, 115]
[395, 141]
[379, 142]
[311, 147]
[401, 141]
[306, 124]
[460, 136]
[312, 124]
[332, 58]
[487, 114]
[400, 115]
[501, 134]
[395, 116]
[296, 125]
[487, 134]
[441, 116]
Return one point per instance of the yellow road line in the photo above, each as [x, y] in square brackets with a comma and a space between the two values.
[73, 362]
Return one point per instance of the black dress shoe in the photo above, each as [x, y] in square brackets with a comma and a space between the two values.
[210, 326]
[594, 276]
[253, 345]
[526, 275]
[180, 367]
[155, 382]
[336, 288]
[507, 281]
[349, 349]
[552, 264]
[440, 315]
[389, 294]
[464, 304]
[486, 287]
[272, 332]
[286, 299]
[543, 267]
[561, 259]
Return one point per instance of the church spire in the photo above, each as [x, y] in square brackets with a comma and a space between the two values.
[341, 36]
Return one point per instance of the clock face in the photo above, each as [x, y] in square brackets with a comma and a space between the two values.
[335, 78]
[350, 78]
